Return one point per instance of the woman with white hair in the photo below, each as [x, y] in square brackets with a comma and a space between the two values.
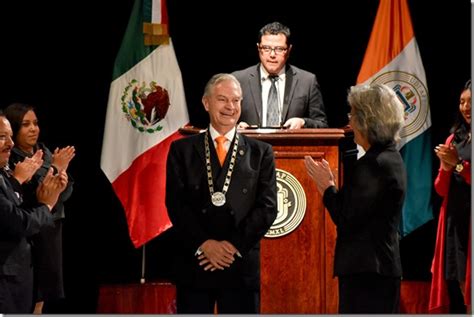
[367, 209]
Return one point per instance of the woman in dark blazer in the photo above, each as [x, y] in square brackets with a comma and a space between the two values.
[47, 244]
[367, 209]
[19, 222]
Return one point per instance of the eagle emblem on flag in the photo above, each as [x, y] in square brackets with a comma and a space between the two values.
[145, 105]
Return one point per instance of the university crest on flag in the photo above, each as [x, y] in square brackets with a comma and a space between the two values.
[413, 94]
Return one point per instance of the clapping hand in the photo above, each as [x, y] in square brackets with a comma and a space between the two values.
[62, 157]
[448, 156]
[52, 185]
[25, 170]
[320, 173]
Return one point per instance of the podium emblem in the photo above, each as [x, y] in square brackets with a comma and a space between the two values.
[291, 205]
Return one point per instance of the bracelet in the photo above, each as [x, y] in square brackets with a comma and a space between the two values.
[55, 170]
[198, 252]
[459, 167]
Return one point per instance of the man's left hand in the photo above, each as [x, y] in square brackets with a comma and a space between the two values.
[294, 123]
[217, 255]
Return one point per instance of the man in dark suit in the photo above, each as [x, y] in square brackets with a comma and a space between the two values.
[298, 97]
[220, 211]
[17, 223]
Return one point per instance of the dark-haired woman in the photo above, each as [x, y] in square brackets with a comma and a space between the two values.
[47, 245]
[451, 268]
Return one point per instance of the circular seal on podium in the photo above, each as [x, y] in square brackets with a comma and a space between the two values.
[291, 201]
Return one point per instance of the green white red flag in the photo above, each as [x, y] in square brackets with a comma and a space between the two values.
[146, 108]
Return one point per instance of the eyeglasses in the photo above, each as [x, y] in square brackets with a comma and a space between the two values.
[268, 49]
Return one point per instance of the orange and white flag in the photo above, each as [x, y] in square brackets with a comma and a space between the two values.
[393, 58]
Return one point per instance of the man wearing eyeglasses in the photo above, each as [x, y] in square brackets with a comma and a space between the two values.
[276, 94]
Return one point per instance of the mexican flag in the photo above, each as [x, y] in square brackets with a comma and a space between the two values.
[393, 58]
[146, 108]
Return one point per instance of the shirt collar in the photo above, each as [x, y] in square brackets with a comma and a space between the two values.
[214, 134]
[264, 74]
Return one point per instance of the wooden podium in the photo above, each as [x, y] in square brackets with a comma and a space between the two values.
[297, 267]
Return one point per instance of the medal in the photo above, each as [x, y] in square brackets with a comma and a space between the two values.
[218, 199]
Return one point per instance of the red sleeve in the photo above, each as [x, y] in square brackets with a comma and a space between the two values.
[466, 172]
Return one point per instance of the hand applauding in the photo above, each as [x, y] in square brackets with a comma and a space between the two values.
[320, 172]
[49, 189]
[25, 170]
[448, 156]
[62, 157]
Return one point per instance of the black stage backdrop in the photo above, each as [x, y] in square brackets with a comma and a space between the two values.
[59, 56]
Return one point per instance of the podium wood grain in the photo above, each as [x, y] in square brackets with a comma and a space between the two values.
[297, 269]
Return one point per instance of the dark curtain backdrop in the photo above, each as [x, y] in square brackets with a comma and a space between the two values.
[59, 56]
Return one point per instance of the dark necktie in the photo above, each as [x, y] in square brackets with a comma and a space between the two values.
[273, 110]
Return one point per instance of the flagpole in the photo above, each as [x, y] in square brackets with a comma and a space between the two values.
[142, 279]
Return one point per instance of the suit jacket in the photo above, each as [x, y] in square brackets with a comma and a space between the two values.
[29, 188]
[16, 225]
[302, 99]
[47, 250]
[243, 220]
[367, 213]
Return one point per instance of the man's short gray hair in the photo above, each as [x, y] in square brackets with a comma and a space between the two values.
[216, 79]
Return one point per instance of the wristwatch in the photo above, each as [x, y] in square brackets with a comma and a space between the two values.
[459, 167]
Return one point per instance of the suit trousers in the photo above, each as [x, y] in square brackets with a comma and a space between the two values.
[229, 301]
[365, 293]
[16, 293]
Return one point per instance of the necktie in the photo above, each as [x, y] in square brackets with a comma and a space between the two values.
[273, 111]
[221, 151]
